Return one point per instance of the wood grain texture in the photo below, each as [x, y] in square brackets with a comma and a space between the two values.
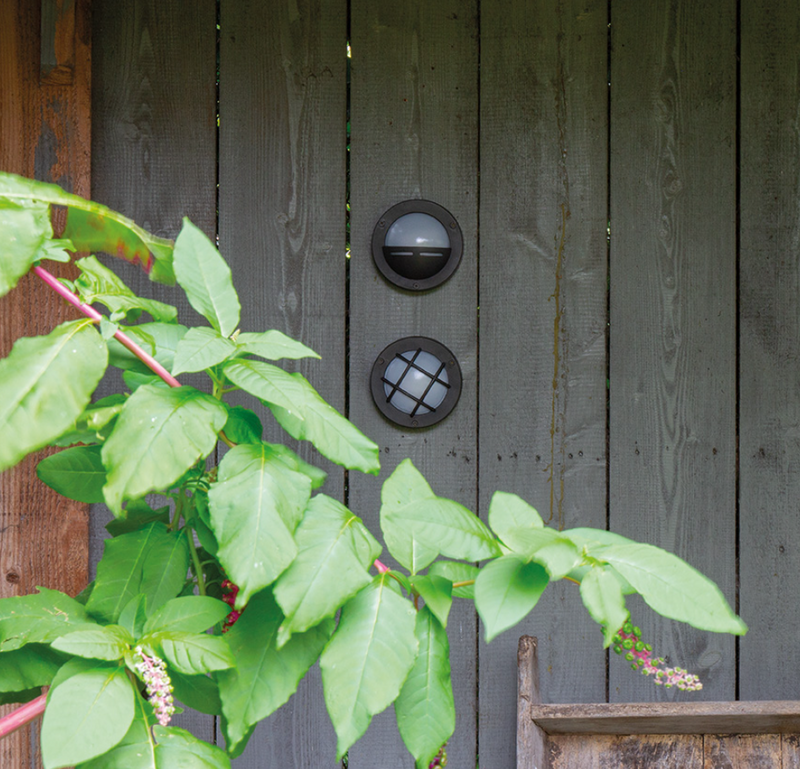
[414, 114]
[44, 133]
[790, 751]
[770, 347]
[282, 228]
[532, 749]
[543, 317]
[672, 303]
[627, 752]
[750, 751]
[758, 717]
[154, 149]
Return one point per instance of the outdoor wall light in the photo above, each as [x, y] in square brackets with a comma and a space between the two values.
[416, 382]
[417, 245]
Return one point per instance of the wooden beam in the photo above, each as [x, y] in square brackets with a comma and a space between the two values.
[44, 133]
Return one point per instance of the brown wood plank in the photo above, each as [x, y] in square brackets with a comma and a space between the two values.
[282, 226]
[621, 752]
[532, 752]
[790, 751]
[742, 751]
[543, 317]
[154, 146]
[673, 303]
[781, 717]
[414, 120]
[44, 132]
[770, 347]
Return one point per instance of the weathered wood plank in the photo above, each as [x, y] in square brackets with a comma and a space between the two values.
[790, 747]
[754, 751]
[627, 752]
[672, 303]
[543, 298]
[282, 227]
[414, 135]
[154, 148]
[532, 752]
[781, 717]
[770, 347]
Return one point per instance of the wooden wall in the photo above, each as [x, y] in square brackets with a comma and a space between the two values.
[627, 179]
[45, 75]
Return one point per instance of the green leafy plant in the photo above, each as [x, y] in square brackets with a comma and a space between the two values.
[222, 597]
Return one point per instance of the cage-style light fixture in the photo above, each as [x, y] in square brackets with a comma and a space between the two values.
[417, 245]
[416, 382]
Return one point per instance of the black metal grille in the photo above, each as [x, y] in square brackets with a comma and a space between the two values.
[397, 386]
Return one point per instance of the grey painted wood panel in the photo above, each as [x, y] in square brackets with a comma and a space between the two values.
[414, 135]
[154, 145]
[672, 311]
[282, 228]
[543, 294]
[770, 351]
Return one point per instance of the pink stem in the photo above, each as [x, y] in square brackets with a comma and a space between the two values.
[382, 568]
[90, 312]
[22, 715]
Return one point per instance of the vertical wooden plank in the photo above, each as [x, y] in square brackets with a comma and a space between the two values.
[790, 751]
[672, 334]
[769, 346]
[154, 144]
[414, 135]
[532, 749]
[282, 227]
[44, 132]
[754, 751]
[543, 317]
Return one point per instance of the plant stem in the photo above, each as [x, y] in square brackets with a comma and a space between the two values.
[90, 312]
[197, 566]
[465, 583]
[22, 715]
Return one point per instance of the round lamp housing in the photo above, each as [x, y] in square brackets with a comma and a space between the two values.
[417, 245]
[416, 382]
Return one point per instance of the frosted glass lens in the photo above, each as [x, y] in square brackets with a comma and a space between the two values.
[415, 382]
[417, 231]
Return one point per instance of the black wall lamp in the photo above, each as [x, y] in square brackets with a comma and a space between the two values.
[416, 382]
[417, 245]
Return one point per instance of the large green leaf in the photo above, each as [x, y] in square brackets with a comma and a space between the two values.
[77, 473]
[159, 435]
[312, 419]
[45, 383]
[602, 596]
[437, 592]
[98, 284]
[269, 383]
[191, 653]
[179, 749]
[86, 715]
[671, 587]
[92, 227]
[28, 668]
[418, 525]
[265, 676]
[505, 591]
[368, 658]
[200, 349]
[425, 710]
[206, 279]
[243, 425]
[328, 569]
[508, 512]
[189, 614]
[255, 507]
[160, 340]
[151, 561]
[25, 229]
[197, 692]
[39, 618]
[273, 345]
[108, 642]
